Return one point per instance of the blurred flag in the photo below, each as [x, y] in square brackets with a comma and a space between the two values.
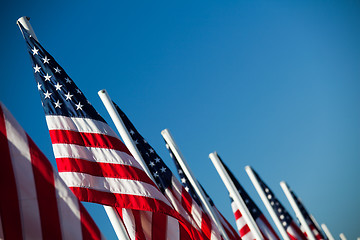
[287, 222]
[36, 203]
[169, 185]
[92, 160]
[230, 231]
[266, 229]
[313, 227]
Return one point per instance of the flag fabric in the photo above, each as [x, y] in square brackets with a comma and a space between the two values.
[36, 203]
[286, 220]
[314, 229]
[263, 224]
[230, 231]
[92, 160]
[169, 185]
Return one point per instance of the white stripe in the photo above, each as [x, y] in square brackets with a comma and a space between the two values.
[21, 161]
[290, 230]
[129, 222]
[146, 223]
[69, 211]
[172, 230]
[85, 125]
[265, 230]
[101, 155]
[112, 185]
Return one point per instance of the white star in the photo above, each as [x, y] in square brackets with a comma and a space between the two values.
[46, 59]
[68, 96]
[78, 91]
[151, 150]
[269, 196]
[180, 171]
[167, 146]
[266, 190]
[187, 188]
[47, 77]
[183, 180]
[79, 106]
[57, 70]
[145, 141]
[58, 86]
[47, 94]
[67, 80]
[39, 86]
[58, 104]
[281, 217]
[132, 132]
[35, 51]
[279, 210]
[284, 224]
[152, 164]
[163, 169]
[156, 174]
[157, 159]
[37, 68]
[136, 142]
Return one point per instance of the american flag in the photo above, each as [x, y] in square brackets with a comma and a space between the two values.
[286, 220]
[36, 203]
[266, 229]
[230, 231]
[169, 185]
[316, 231]
[90, 157]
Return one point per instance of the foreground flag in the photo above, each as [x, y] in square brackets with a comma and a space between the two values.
[230, 231]
[266, 229]
[169, 185]
[36, 203]
[281, 217]
[92, 160]
[309, 221]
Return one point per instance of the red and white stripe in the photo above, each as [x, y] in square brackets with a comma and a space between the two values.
[36, 203]
[294, 232]
[99, 168]
[314, 230]
[241, 224]
[230, 231]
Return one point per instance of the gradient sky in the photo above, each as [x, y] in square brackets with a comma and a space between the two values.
[271, 84]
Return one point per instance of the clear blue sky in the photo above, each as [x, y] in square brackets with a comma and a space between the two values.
[271, 84]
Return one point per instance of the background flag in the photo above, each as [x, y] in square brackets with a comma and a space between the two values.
[91, 159]
[36, 203]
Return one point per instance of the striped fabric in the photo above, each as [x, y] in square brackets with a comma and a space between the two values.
[91, 159]
[230, 231]
[177, 195]
[36, 203]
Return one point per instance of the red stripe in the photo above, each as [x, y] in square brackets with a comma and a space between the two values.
[298, 234]
[103, 169]
[46, 193]
[9, 202]
[186, 200]
[159, 233]
[206, 224]
[230, 231]
[87, 140]
[139, 234]
[244, 230]
[237, 214]
[89, 229]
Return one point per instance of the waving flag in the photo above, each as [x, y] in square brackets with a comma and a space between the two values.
[287, 222]
[230, 231]
[36, 203]
[169, 185]
[266, 230]
[316, 231]
[92, 160]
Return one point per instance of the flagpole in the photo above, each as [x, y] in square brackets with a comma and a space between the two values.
[342, 236]
[266, 202]
[327, 232]
[110, 211]
[187, 171]
[124, 133]
[235, 195]
[297, 211]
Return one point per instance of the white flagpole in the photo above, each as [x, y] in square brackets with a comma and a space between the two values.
[124, 133]
[327, 232]
[266, 202]
[236, 196]
[297, 211]
[187, 171]
[110, 211]
[342, 236]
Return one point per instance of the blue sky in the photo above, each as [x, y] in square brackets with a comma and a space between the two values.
[271, 84]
